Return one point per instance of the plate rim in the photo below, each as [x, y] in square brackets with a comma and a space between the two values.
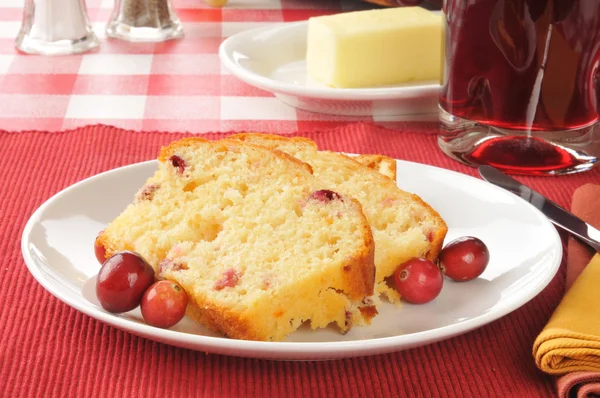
[326, 93]
[285, 349]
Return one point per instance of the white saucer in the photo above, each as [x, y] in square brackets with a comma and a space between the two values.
[273, 59]
[525, 253]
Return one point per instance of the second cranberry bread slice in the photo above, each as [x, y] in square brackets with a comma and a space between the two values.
[403, 225]
[259, 244]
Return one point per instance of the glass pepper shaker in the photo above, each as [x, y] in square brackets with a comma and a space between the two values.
[144, 20]
[55, 27]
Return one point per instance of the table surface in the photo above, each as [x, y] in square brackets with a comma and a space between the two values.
[171, 86]
[50, 349]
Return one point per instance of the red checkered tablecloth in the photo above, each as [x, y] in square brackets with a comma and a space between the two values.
[171, 86]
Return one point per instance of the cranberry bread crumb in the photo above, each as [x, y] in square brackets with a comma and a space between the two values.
[259, 244]
[403, 225]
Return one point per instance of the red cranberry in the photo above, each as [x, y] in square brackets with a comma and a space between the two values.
[325, 195]
[348, 320]
[170, 265]
[147, 192]
[418, 280]
[178, 163]
[229, 278]
[122, 281]
[464, 258]
[164, 304]
[430, 236]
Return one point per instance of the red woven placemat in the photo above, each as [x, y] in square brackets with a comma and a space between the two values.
[50, 349]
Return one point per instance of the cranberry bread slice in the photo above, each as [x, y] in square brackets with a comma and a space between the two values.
[403, 225]
[258, 243]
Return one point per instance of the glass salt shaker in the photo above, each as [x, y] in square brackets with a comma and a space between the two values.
[52, 27]
[144, 20]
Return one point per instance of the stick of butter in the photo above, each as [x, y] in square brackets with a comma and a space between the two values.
[375, 48]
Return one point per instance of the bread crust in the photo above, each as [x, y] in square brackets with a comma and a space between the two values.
[249, 136]
[362, 284]
[222, 320]
[383, 164]
[167, 150]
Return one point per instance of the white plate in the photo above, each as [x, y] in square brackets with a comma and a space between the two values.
[273, 59]
[526, 251]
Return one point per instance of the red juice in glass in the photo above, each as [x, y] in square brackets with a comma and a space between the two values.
[521, 86]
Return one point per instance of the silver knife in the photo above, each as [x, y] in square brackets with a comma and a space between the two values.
[556, 214]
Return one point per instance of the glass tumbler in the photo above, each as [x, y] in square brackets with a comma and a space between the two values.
[55, 27]
[521, 84]
[144, 20]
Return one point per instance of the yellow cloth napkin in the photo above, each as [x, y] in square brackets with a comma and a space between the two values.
[570, 341]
